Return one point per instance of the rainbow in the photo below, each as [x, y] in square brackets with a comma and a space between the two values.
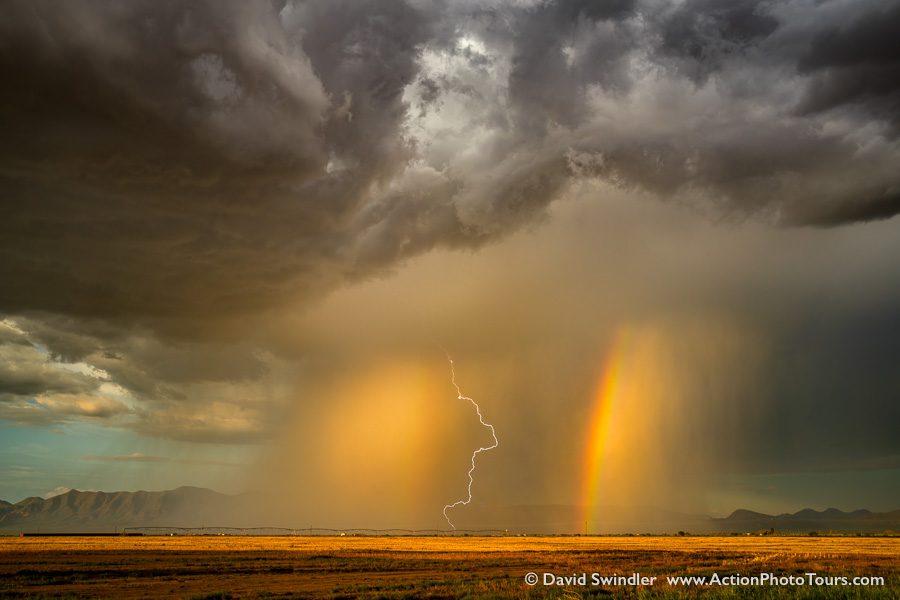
[615, 385]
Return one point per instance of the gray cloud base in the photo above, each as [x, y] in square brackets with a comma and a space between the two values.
[195, 158]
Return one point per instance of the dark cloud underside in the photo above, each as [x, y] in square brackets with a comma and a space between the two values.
[186, 159]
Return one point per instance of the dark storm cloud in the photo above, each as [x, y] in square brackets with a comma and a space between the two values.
[160, 158]
[700, 33]
[134, 134]
[882, 206]
[162, 93]
[869, 38]
[857, 64]
[187, 159]
[543, 81]
[365, 54]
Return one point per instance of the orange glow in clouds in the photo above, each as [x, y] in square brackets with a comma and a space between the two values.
[376, 441]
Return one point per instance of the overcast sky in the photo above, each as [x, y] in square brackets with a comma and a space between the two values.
[236, 239]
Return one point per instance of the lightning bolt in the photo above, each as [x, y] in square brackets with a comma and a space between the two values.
[477, 451]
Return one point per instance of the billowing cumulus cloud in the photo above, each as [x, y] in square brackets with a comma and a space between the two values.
[35, 388]
[59, 370]
[229, 157]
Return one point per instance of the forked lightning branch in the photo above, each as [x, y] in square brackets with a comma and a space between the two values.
[476, 452]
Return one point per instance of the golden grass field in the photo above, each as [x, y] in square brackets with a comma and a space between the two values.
[427, 567]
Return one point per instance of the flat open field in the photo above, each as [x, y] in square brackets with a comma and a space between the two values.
[433, 567]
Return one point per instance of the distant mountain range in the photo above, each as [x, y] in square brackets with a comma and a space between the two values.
[807, 520]
[76, 511]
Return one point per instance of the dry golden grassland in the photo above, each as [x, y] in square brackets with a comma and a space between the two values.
[428, 567]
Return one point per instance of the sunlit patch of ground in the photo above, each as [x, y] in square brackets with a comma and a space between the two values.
[432, 567]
